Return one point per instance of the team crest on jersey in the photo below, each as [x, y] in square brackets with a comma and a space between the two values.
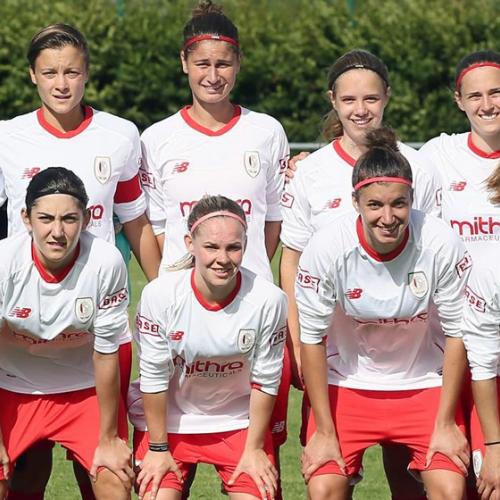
[252, 163]
[246, 339]
[84, 308]
[477, 461]
[102, 168]
[418, 284]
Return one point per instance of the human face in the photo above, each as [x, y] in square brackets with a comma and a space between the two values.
[211, 68]
[217, 246]
[359, 98]
[56, 222]
[385, 213]
[479, 99]
[60, 76]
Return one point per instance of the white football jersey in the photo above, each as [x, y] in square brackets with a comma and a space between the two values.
[104, 152]
[50, 326]
[482, 319]
[244, 161]
[383, 335]
[207, 357]
[321, 190]
[463, 169]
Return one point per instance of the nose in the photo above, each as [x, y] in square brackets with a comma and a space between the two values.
[486, 102]
[360, 107]
[213, 74]
[61, 82]
[57, 229]
[222, 257]
[387, 215]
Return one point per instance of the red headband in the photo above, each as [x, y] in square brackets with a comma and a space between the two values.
[471, 67]
[219, 213]
[199, 38]
[371, 180]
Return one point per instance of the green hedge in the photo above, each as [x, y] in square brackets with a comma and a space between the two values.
[288, 46]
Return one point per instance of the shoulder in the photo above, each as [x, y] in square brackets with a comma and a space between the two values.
[320, 159]
[18, 124]
[432, 231]
[116, 125]
[261, 287]
[443, 143]
[15, 252]
[162, 129]
[100, 253]
[261, 120]
[168, 287]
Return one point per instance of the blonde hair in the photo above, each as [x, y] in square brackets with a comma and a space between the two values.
[493, 186]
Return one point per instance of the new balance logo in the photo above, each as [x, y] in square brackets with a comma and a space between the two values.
[29, 173]
[458, 186]
[180, 167]
[20, 312]
[335, 203]
[354, 293]
[176, 336]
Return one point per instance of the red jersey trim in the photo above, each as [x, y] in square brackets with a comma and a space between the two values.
[219, 305]
[381, 257]
[204, 130]
[343, 153]
[87, 119]
[54, 277]
[127, 191]
[483, 154]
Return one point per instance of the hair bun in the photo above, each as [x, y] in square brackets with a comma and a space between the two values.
[382, 138]
[206, 7]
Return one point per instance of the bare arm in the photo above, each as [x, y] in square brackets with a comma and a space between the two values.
[144, 245]
[272, 231]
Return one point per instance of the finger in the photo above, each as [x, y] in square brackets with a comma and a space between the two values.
[235, 476]
[6, 469]
[122, 476]
[428, 458]
[178, 473]
[465, 457]
[459, 464]
[154, 489]
[310, 471]
[143, 485]
[93, 472]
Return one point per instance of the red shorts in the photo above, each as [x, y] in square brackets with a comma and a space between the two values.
[70, 419]
[280, 412]
[365, 418]
[222, 449]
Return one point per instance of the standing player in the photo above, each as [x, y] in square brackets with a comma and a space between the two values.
[102, 149]
[214, 146]
[382, 275]
[210, 342]
[63, 308]
[321, 188]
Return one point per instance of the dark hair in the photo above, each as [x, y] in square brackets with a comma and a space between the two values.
[354, 59]
[210, 204]
[57, 36]
[481, 56]
[493, 186]
[55, 180]
[208, 19]
[383, 158]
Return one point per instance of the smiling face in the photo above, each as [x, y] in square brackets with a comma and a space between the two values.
[212, 68]
[217, 246]
[479, 99]
[359, 98]
[60, 76]
[385, 213]
[56, 222]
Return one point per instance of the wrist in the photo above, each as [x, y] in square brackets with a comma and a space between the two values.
[160, 447]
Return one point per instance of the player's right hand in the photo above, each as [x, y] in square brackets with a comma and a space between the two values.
[153, 469]
[4, 461]
[319, 450]
[488, 482]
[292, 167]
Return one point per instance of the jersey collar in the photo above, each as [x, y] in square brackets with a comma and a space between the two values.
[483, 154]
[219, 305]
[53, 277]
[204, 130]
[381, 257]
[87, 119]
[343, 153]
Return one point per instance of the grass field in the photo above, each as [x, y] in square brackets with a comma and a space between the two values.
[62, 484]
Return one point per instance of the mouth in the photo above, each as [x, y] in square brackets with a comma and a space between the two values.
[389, 231]
[489, 117]
[361, 122]
[213, 89]
[57, 244]
[224, 273]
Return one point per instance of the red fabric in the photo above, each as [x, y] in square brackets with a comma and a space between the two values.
[127, 191]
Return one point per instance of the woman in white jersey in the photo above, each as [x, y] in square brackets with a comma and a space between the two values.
[210, 340]
[359, 91]
[102, 149]
[63, 307]
[214, 146]
[373, 283]
[482, 340]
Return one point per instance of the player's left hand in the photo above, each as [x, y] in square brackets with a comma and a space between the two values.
[115, 455]
[450, 441]
[488, 482]
[257, 465]
[4, 461]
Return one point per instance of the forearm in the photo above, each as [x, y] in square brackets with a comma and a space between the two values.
[144, 245]
[486, 401]
[261, 408]
[155, 409]
[288, 270]
[454, 367]
[272, 231]
[314, 369]
[107, 385]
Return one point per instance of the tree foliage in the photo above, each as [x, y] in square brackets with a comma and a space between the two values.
[287, 45]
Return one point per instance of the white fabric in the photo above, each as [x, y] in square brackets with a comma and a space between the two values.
[482, 320]
[383, 335]
[322, 190]
[48, 331]
[208, 359]
[245, 163]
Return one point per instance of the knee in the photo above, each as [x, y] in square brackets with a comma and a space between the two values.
[453, 490]
[328, 487]
[109, 486]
